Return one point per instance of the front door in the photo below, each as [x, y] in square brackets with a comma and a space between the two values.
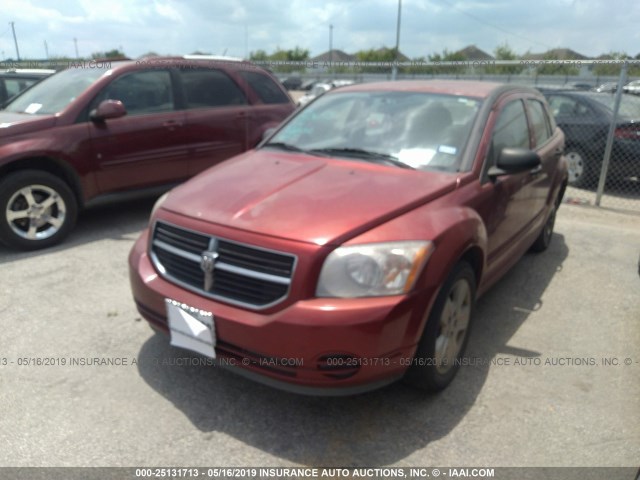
[148, 146]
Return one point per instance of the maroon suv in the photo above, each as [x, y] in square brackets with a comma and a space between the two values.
[347, 251]
[100, 128]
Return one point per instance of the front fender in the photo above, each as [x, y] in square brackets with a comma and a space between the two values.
[455, 231]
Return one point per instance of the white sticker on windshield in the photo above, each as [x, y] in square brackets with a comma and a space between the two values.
[33, 108]
[415, 157]
[447, 149]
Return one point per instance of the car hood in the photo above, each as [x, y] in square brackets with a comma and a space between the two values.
[19, 123]
[304, 198]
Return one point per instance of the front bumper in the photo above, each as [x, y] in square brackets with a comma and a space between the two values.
[314, 346]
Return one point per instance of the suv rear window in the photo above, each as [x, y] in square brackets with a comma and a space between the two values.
[210, 88]
[267, 89]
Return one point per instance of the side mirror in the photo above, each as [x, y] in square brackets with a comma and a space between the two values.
[514, 160]
[107, 110]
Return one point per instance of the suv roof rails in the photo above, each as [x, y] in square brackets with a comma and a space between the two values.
[43, 71]
[213, 57]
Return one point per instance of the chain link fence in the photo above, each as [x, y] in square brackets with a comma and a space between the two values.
[599, 114]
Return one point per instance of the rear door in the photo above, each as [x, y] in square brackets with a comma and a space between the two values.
[270, 103]
[148, 145]
[549, 147]
[217, 116]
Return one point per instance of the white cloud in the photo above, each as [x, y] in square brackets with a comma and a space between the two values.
[590, 27]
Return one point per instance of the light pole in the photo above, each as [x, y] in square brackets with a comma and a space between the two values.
[394, 71]
[330, 46]
[15, 40]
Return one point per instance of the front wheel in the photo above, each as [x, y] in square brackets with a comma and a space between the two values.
[446, 333]
[37, 210]
[544, 238]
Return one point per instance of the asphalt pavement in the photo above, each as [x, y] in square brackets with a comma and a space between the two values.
[553, 374]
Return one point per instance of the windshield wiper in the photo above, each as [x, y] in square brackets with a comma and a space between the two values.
[284, 146]
[365, 155]
[290, 148]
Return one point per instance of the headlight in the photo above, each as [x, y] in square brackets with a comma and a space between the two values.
[372, 270]
[158, 204]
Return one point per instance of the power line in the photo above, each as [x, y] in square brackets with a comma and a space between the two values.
[496, 27]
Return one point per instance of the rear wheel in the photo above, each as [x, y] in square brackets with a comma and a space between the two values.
[37, 210]
[446, 333]
[582, 171]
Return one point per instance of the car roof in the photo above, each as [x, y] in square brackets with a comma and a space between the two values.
[230, 63]
[468, 88]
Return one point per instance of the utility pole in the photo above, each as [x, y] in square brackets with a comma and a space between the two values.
[394, 72]
[246, 42]
[46, 50]
[330, 46]
[75, 43]
[15, 40]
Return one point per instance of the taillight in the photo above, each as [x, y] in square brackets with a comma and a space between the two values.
[627, 132]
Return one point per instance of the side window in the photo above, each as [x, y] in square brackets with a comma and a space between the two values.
[205, 88]
[539, 121]
[564, 106]
[14, 85]
[511, 130]
[266, 88]
[141, 92]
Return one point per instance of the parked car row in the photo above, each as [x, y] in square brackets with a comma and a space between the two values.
[632, 87]
[585, 118]
[319, 88]
[344, 252]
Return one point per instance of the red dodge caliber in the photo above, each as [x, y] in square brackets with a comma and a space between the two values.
[348, 249]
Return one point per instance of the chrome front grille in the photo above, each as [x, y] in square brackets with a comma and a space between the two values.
[236, 273]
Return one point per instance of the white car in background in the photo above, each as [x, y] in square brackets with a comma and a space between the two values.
[632, 87]
[320, 88]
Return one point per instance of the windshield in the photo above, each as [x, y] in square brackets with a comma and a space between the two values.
[418, 130]
[54, 93]
[629, 105]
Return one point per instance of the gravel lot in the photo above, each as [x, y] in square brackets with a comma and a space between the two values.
[562, 314]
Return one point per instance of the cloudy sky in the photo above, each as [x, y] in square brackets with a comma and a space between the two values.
[236, 27]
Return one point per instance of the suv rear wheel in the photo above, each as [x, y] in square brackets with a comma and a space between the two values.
[37, 210]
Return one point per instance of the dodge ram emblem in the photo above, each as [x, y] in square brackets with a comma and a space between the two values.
[207, 264]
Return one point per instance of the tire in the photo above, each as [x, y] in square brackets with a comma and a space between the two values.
[37, 210]
[582, 169]
[544, 238]
[445, 336]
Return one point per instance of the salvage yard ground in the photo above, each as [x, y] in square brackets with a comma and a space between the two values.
[551, 380]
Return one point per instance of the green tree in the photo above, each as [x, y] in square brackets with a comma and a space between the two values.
[384, 54]
[447, 56]
[114, 54]
[504, 52]
[613, 69]
[296, 55]
[557, 68]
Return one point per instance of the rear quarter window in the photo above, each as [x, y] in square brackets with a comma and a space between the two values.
[266, 89]
[205, 88]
